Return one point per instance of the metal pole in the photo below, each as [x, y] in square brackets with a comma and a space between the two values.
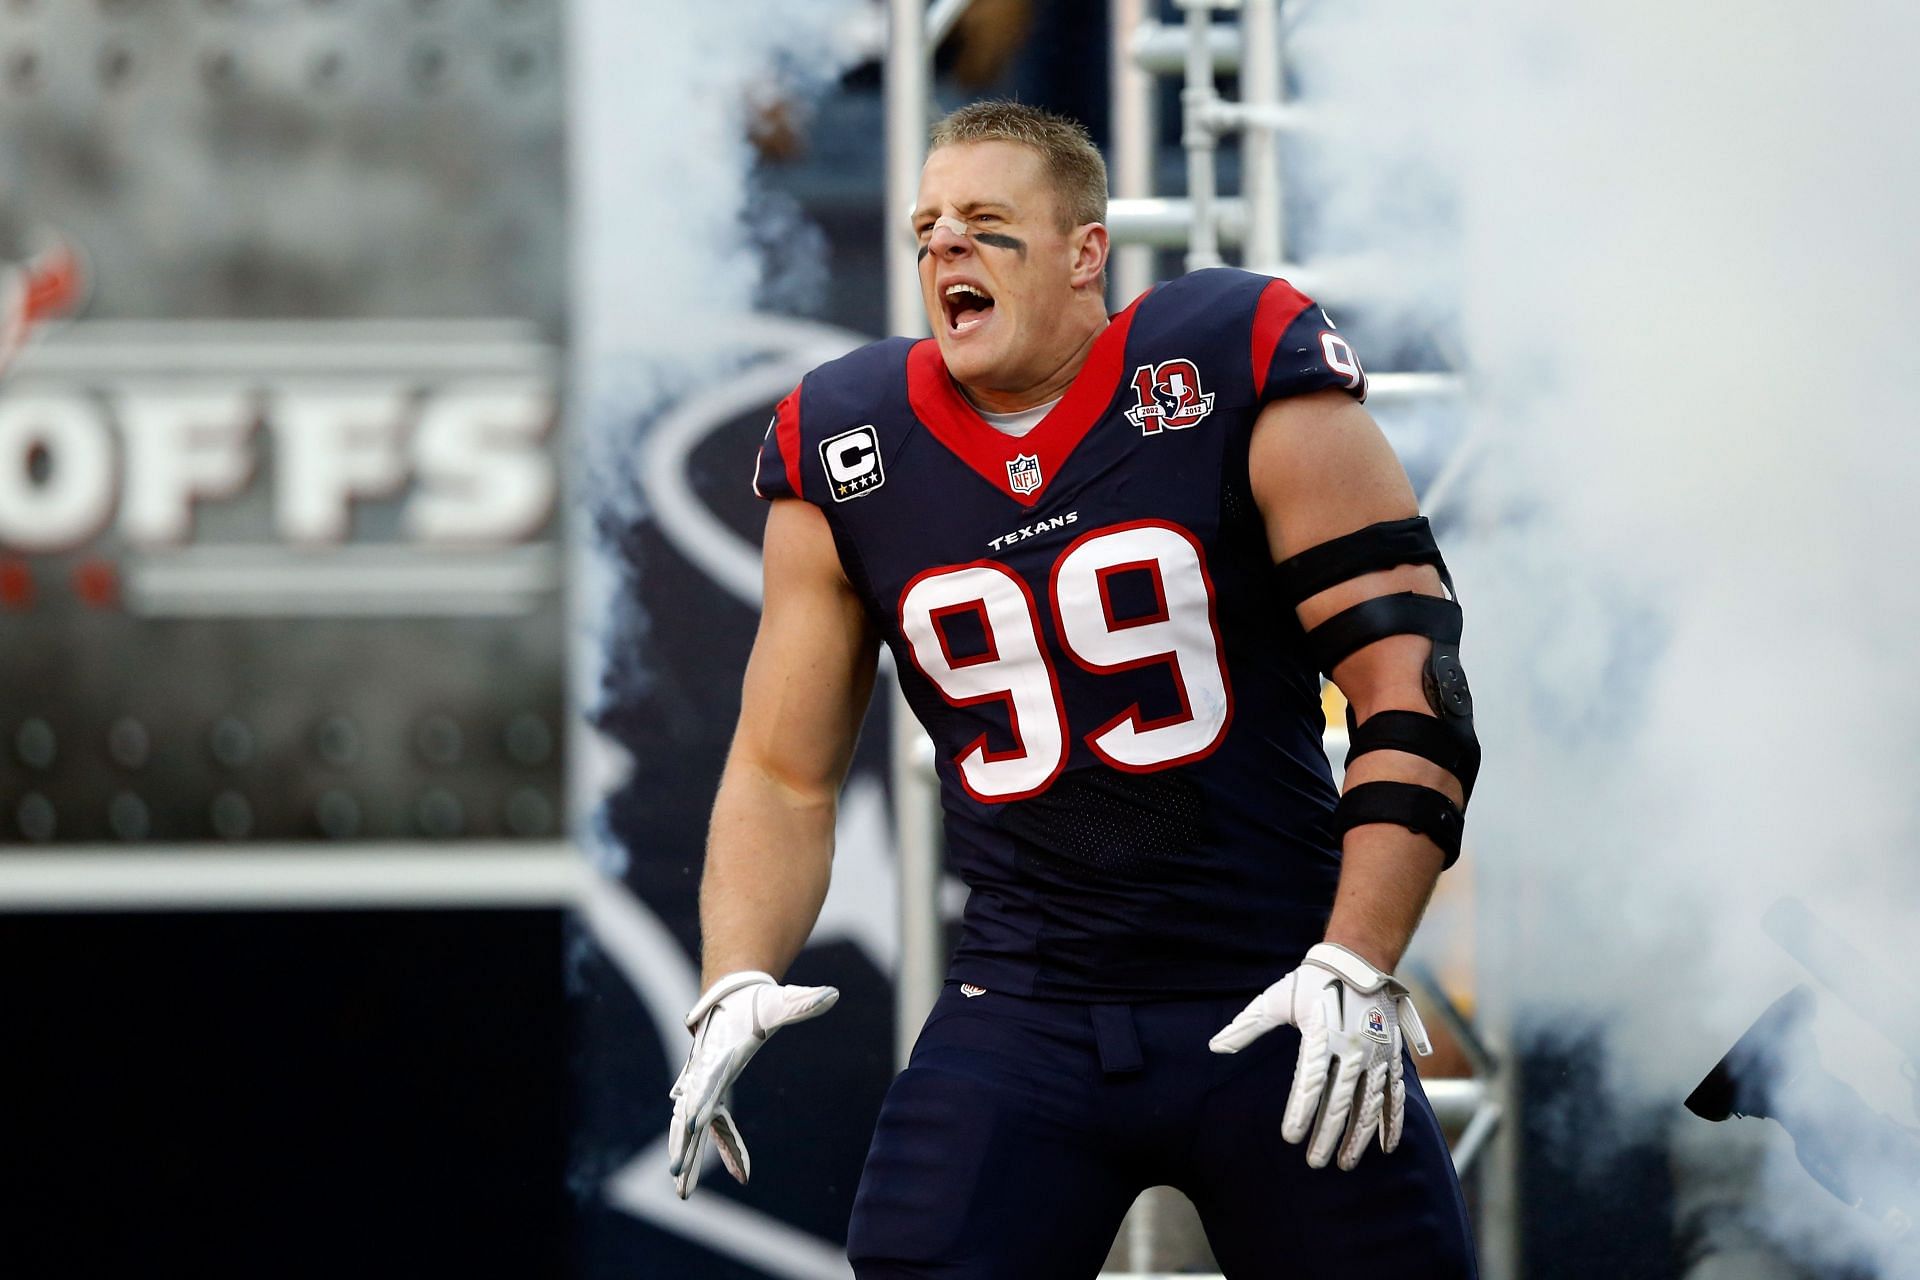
[1166, 222]
[1261, 87]
[1197, 136]
[916, 804]
[941, 20]
[1161, 49]
[1129, 143]
[917, 837]
[907, 73]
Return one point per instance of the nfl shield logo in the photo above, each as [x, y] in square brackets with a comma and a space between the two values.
[1023, 473]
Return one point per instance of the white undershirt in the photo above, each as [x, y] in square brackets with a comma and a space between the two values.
[1020, 422]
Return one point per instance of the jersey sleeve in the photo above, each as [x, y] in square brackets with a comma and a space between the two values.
[776, 471]
[1296, 349]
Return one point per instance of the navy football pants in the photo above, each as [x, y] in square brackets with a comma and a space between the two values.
[1022, 1130]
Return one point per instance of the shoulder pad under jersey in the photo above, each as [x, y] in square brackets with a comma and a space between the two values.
[833, 401]
[1287, 339]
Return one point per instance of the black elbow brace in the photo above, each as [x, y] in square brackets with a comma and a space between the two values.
[1446, 737]
[1421, 810]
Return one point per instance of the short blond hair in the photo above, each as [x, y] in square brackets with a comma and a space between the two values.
[1073, 164]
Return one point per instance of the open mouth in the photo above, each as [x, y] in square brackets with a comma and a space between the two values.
[968, 307]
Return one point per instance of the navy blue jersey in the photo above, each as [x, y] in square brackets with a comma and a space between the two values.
[1126, 719]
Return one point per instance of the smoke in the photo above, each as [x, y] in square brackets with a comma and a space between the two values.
[671, 246]
[1676, 244]
[664, 101]
[671, 240]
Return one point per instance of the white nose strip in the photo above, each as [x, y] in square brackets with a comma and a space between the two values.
[954, 225]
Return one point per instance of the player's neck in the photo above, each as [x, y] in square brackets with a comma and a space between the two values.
[1051, 386]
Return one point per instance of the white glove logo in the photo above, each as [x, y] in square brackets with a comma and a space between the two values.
[1349, 1080]
[729, 1024]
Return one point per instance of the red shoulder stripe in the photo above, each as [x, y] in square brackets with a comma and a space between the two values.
[957, 425]
[786, 434]
[1280, 303]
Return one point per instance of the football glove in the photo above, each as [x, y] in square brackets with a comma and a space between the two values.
[1349, 1080]
[729, 1024]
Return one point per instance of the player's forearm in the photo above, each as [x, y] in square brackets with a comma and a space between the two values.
[769, 856]
[1387, 875]
[1387, 872]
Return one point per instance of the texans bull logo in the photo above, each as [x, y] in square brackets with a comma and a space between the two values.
[1169, 395]
[48, 285]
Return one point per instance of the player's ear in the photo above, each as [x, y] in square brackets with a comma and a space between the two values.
[1090, 249]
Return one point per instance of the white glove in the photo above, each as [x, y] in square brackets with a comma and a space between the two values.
[1351, 1018]
[729, 1024]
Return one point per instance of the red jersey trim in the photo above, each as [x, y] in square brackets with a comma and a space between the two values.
[955, 423]
[786, 433]
[1280, 304]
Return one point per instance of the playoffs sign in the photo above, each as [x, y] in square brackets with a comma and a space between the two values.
[322, 432]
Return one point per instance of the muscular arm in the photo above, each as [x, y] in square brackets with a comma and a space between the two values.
[1321, 468]
[770, 844]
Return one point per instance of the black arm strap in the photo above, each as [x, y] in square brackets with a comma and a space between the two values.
[1421, 810]
[1451, 746]
[1446, 738]
[1378, 546]
[1408, 613]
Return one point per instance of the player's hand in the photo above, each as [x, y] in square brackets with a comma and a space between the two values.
[729, 1024]
[1349, 1080]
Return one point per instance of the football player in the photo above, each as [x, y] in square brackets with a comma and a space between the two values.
[1112, 557]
